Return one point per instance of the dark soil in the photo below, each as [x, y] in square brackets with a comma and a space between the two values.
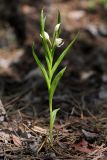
[81, 126]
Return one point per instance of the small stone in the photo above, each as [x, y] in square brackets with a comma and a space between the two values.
[104, 77]
[103, 94]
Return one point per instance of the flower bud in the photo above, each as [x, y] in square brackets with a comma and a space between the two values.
[46, 35]
[57, 27]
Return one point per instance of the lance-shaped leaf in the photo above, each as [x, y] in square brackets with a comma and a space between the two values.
[49, 67]
[55, 82]
[42, 68]
[59, 22]
[59, 60]
[54, 112]
[42, 21]
[56, 33]
[44, 41]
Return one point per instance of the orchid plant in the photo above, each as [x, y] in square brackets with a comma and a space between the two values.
[50, 75]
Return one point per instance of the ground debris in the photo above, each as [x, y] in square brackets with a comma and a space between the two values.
[80, 132]
[2, 112]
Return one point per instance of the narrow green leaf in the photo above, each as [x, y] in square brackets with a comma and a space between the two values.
[56, 34]
[59, 21]
[55, 82]
[49, 67]
[59, 60]
[42, 21]
[46, 48]
[54, 112]
[42, 68]
[44, 41]
[59, 17]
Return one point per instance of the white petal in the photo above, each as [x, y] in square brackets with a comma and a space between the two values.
[46, 35]
[59, 42]
[41, 36]
[57, 27]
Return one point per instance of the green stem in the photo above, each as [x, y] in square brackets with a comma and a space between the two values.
[50, 100]
[51, 127]
[50, 107]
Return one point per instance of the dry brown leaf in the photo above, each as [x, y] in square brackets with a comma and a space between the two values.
[39, 130]
[83, 146]
[16, 140]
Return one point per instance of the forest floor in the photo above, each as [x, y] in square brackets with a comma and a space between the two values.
[80, 131]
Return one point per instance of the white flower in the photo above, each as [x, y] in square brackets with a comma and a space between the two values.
[46, 35]
[59, 42]
[57, 27]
